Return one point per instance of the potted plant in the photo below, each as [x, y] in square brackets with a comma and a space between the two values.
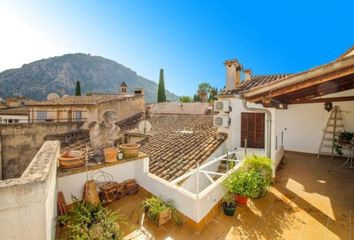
[158, 210]
[245, 183]
[86, 221]
[344, 136]
[262, 165]
[229, 205]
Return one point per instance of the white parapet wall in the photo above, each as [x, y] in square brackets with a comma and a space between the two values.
[28, 204]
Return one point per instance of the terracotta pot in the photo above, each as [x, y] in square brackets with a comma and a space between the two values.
[71, 159]
[90, 193]
[110, 154]
[241, 200]
[130, 150]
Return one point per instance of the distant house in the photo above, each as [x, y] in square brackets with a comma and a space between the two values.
[14, 115]
[14, 110]
[179, 108]
[86, 108]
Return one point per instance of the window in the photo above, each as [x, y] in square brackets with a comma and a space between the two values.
[41, 116]
[77, 116]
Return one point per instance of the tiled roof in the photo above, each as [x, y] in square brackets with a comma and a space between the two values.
[123, 84]
[79, 100]
[14, 111]
[178, 142]
[255, 81]
[179, 108]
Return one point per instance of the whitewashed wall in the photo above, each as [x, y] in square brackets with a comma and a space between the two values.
[28, 204]
[303, 124]
[234, 130]
[73, 185]
[190, 183]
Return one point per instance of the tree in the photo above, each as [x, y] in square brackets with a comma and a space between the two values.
[78, 89]
[213, 92]
[185, 99]
[161, 94]
[203, 90]
[196, 98]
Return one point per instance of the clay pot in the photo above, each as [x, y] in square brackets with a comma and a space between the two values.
[71, 159]
[130, 150]
[90, 193]
[241, 200]
[110, 154]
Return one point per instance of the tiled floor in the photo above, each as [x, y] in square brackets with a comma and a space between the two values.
[311, 199]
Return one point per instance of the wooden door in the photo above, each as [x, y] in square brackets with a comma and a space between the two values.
[252, 129]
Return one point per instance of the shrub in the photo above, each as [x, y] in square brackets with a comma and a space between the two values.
[86, 221]
[156, 205]
[248, 183]
[261, 164]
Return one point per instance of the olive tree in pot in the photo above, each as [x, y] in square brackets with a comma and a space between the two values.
[229, 205]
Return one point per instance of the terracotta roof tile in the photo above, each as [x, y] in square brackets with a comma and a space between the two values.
[179, 108]
[80, 100]
[255, 81]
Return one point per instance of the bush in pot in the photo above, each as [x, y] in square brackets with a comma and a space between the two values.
[229, 205]
[158, 210]
[86, 221]
[262, 165]
[245, 183]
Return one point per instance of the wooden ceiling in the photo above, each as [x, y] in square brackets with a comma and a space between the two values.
[306, 91]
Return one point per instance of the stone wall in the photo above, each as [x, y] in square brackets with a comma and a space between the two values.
[28, 204]
[20, 142]
[124, 108]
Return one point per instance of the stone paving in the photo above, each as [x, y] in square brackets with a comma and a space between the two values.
[311, 199]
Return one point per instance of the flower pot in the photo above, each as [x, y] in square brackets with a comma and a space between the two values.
[71, 159]
[164, 216]
[130, 150]
[110, 154]
[229, 210]
[241, 200]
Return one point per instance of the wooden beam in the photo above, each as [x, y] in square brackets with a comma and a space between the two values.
[343, 73]
[322, 100]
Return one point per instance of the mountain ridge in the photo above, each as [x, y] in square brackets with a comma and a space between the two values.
[59, 74]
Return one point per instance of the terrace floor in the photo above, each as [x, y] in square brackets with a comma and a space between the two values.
[311, 199]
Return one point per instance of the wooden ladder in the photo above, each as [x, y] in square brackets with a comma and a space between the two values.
[334, 124]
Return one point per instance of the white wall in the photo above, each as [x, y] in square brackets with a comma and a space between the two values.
[303, 124]
[191, 183]
[28, 203]
[74, 184]
[234, 130]
[20, 118]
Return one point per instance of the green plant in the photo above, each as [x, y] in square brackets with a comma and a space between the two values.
[155, 205]
[345, 136]
[185, 99]
[338, 148]
[248, 183]
[261, 164]
[161, 93]
[78, 89]
[229, 199]
[85, 221]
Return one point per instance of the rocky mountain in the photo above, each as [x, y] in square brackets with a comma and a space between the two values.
[59, 74]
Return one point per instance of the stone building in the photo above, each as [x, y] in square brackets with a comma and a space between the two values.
[87, 108]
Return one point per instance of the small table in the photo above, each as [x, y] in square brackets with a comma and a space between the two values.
[350, 158]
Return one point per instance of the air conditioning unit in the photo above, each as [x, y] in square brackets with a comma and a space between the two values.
[222, 106]
[221, 121]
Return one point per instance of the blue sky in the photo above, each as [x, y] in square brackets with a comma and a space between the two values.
[189, 39]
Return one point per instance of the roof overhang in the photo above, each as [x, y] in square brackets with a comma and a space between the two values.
[326, 79]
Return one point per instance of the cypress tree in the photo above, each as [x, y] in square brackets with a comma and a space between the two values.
[78, 89]
[161, 94]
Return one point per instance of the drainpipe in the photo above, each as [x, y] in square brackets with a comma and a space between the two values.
[269, 123]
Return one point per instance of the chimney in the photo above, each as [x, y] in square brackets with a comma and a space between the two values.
[233, 74]
[248, 74]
